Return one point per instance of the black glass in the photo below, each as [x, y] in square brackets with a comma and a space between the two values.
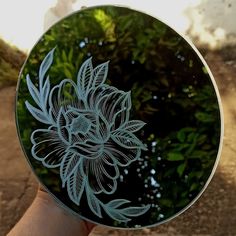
[119, 117]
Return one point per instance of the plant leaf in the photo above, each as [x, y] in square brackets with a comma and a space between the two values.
[100, 74]
[181, 136]
[117, 203]
[70, 56]
[194, 186]
[67, 73]
[46, 63]
[175, 156]
[37, 114]
[64, 57]
[181, 169]
[166, 202]
[135, 211]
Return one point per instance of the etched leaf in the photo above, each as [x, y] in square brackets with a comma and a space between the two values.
[85, 77]
[135, 211]
[75, 186]
[93, 202]
[46, 90]
[46, 63]
[122, 214]
[117, 215]
[68, 166]
[100, 74]
[134, 125]
[33, 90]
[64, 95]
[36, 113]
[117, 203]
[127, 139]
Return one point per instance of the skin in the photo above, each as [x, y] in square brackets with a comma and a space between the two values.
[45, 217]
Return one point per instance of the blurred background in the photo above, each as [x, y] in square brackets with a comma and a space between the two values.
[210, 25]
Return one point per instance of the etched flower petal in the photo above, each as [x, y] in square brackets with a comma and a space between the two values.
[109, 160]
[122, 155]
[47, 147]
[122, 116]
[62, 126]
[64, 95]
[112, 105]
[73, 113]
[99, 92]
[97, 131]
[101, 176]
[87, 150]
[102, 128]
[71, 116]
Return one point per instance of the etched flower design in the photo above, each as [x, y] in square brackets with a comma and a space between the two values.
[89, 135]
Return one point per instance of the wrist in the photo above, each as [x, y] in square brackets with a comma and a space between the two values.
[45, 217]
[72, 224]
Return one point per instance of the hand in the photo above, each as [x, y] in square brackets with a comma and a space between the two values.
[45, 217]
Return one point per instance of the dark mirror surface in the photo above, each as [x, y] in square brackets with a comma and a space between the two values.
[118, 117]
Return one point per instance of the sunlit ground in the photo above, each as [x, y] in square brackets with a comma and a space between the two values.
[23, 22]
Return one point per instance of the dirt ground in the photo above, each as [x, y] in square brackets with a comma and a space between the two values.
[213, 214]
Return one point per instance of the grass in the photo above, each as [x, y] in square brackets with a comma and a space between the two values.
[11, 60]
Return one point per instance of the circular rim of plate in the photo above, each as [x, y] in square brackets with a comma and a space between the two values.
[221, 122]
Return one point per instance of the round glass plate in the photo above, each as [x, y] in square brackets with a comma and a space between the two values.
[119, 117]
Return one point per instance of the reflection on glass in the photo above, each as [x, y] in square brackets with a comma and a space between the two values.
[171, 92]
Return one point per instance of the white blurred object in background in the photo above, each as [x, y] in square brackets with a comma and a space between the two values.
[55, 13]
[205, 21]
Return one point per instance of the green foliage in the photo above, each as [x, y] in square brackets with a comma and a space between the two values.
[11, 60]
